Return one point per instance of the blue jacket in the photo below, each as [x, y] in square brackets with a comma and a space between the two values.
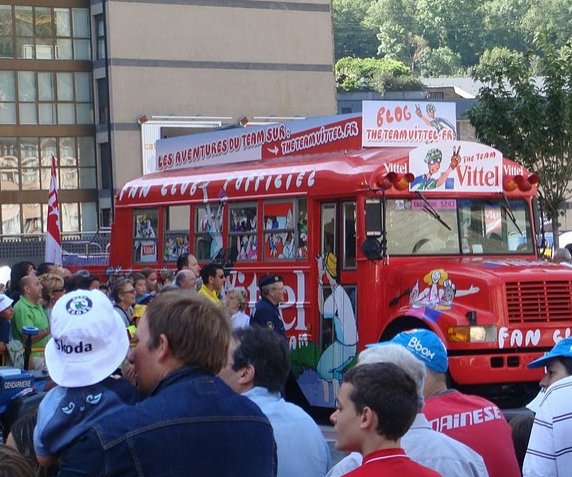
[267, 315]
[192, 425]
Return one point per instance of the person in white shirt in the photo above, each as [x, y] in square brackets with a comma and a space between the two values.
[257, 367]
[549, 452]
[235, 302]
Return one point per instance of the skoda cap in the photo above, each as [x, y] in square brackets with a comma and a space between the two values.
[562, 349]
[89, 340]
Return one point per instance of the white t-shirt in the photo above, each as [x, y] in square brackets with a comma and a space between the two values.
[549, 452]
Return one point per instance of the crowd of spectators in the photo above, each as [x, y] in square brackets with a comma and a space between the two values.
[126, 373]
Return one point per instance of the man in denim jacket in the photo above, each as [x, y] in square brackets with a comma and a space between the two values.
[192, 424]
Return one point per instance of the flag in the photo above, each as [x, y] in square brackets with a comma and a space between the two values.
[53, 237]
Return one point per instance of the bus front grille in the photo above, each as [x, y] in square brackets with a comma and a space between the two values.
[539, 301]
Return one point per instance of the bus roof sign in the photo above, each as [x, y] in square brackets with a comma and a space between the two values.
[308, 136]
[456, 166]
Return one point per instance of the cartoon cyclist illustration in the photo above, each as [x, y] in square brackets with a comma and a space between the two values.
[433, 159]
[432, 120]
[439, 293]
[337, 307]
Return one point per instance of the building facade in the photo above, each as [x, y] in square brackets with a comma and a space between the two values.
[77, 77]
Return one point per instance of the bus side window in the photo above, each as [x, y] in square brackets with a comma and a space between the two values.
[177, 224]
[145, 235]
[243, 218]
[208, 231]
[285, 230]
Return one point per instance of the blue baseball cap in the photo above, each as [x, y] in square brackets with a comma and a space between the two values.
[425, 346]
[562, 349]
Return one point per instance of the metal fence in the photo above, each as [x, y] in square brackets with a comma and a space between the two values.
[77, 247]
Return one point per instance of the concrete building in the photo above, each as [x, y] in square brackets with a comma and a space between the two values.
[77, 78]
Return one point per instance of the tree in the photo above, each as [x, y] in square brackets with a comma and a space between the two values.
[453, 24]
[496, 59]
[371, 74]
[529, 121]
[352, 36]
[438, 62]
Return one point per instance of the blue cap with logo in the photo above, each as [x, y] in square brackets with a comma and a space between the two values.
[425, 346]
[562, 349]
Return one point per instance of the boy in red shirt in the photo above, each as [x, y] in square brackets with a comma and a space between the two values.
[472, 420]
[376, 405]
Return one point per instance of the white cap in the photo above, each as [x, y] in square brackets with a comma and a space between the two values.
[5, 302]
[89, 341]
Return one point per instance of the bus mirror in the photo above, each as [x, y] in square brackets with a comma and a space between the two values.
[373, 218]
[371, 248]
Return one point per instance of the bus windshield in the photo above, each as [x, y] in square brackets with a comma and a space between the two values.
[424, 226]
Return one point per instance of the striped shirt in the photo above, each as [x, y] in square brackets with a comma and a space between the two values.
[549, 452]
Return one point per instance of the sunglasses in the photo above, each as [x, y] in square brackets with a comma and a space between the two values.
[433, 161]
[58, 290]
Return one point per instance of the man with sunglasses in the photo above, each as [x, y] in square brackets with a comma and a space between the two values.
[212, 276]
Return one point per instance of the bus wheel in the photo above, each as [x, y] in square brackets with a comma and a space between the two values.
[402, 324]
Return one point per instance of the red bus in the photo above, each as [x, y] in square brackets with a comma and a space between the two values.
[370, 242]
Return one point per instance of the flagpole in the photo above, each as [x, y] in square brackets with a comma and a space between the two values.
[53, 230]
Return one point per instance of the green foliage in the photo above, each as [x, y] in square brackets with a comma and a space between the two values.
[529, 121]
[438, 62]
[371, 74]
[353, 37]
[497, 59]
[436, 37]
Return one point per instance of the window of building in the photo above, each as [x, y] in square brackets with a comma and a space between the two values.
[103, 100]
[7, 97]
[44, 33]
[6, 32]
[45, 98]
[177, 225]
[100, 37]
[25, 163]
[435, 95]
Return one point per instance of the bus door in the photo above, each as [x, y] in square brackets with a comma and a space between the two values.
[337, 293]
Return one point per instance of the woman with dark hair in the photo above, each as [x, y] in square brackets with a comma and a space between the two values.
[17, 272]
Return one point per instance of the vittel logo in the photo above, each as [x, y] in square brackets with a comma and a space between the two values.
[417, 346]
[25, 383]
[69, 349]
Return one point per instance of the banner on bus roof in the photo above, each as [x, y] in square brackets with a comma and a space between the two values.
[456, 166]
[407, 123]
[291, 138]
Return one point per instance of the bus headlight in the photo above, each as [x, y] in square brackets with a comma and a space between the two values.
[472, 334]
